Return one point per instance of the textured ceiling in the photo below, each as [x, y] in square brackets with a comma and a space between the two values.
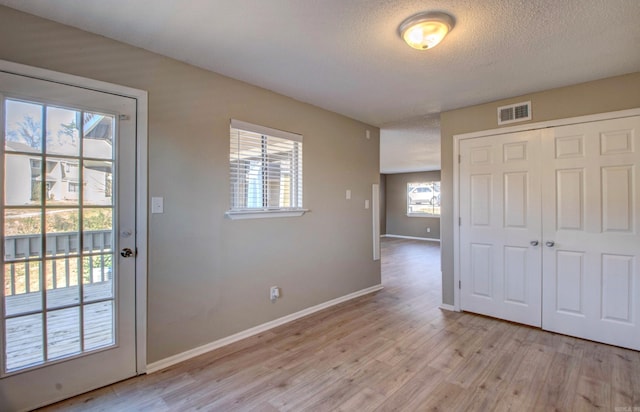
[346, 55]
[410, 145]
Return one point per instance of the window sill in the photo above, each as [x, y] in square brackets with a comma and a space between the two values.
[264, 214]
[422, 215]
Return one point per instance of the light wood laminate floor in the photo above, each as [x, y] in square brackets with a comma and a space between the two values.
[392, 350]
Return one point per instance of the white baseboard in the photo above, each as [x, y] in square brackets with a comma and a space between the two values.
[450, 308]
[191, 353]
[428, 239]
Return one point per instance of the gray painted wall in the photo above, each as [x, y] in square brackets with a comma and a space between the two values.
[398, 223]
[209, 277]
[606, 95]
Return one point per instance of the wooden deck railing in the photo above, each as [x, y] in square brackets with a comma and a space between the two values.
[23, 251]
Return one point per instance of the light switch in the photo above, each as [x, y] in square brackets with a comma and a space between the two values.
[157, 205]
[348, 195]
[366, 204]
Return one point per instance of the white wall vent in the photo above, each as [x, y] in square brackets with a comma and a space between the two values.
[512, 113]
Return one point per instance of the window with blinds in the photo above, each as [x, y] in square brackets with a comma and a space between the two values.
[265, 169]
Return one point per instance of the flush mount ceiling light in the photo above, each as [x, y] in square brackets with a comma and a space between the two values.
[425, 30]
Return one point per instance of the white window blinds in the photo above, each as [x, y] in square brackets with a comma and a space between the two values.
[265, 167]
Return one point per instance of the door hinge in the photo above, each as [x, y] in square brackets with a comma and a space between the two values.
[459, 158]
[459, 221]
[459, 284]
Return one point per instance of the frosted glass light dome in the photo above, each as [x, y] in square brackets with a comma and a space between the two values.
[426, 30]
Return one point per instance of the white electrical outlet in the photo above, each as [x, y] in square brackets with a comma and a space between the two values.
[274, 293]
[428, 230]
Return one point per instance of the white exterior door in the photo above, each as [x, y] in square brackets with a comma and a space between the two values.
[500, 226]
[591, 198]
[68, 210]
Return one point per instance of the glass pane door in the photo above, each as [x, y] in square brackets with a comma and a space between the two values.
[67, 204]
[59, 293]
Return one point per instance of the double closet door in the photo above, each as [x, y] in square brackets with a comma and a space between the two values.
[550, 229]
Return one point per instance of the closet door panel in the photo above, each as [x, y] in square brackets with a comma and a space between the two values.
[500, 217]
[591, 231]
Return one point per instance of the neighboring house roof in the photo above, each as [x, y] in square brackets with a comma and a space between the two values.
[99, 127]
[11, 146]
[97, 148]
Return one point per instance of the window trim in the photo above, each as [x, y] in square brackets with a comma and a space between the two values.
[431, 215]
[271, 212]
[255, 128]
[267, 213]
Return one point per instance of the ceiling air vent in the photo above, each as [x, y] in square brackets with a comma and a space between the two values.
[512, 113]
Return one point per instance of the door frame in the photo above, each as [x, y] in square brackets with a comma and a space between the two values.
[141, 97]
[499, 131]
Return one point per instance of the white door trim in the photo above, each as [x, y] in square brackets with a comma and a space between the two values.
[141, 98]
[505, 130]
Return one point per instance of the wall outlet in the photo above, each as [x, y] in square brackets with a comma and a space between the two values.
[274, 293]
[428, 230]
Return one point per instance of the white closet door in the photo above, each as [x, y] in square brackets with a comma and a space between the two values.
[591, 232]
[500, 226]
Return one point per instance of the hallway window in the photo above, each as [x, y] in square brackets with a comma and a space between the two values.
[423, 199]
